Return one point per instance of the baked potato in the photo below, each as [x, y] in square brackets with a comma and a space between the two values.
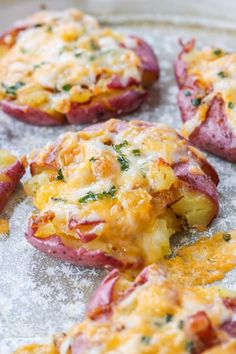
[113, 194]
[58, 67]
[150, 315]
[11, 171]
[207, 98]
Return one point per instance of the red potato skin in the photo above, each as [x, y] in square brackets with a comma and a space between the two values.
[124, 103]
[91, 112]
[53, 246]
[14, 172]
[214, 134]
[29, 115]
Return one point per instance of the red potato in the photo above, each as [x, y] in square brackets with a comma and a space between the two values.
[213, 132]
[186, 191]
[142, 315]
[11, 171]
[110, 93]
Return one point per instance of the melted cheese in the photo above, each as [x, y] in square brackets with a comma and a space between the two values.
[123, 179]
[217, 75]
[204, 262]
[64, 57]
[4, 226]
[153, 319]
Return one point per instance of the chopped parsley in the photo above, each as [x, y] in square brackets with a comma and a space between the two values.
[181, 324]
[67, 87]
[94, 45]
[58, 200]
[196, 102]
[230, 105]
[145, 340]
[11, 90]
[123, 161]
[187, 93]
[23, 50]
[169, 317]
[36, 66]
[217, 52]
[93, 159]
[136, 152]
[60, 176]
[92, 57]
[91, 196]
[227, 237]
[221, 74]
[190, 346]
[49, 29]
[78, 54]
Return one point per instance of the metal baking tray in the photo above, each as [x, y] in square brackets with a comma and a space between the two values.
[40, 295]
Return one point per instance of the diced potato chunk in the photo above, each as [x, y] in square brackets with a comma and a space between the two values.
[6, 159]
[198, 209]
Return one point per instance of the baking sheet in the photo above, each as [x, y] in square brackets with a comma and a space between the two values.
[39, 295]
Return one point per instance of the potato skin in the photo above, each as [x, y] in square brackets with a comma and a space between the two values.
[14, 172]
[121, 103]
[214, 134]
[53, 245]
[29, 115]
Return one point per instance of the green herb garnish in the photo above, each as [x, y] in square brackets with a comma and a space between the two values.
[77, 55]
[181, 324]
[221, 74]
[187, 93]
[136, 152]
[169, 317]
[11, 90]
[145, 340]
[217, 52]
[123, 161]
[94, 45]
[49, 29]
[92, 57]
[227, 237]
[230, 105]
[196, 102]
[91, 196]
[67, 87]
[93, 159]
[190, 346]
[60, 176]
[58, 200]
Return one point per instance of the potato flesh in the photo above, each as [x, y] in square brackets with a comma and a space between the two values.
[197, 208]
[6, 159]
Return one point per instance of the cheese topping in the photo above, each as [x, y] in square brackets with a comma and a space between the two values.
[115, 189]
[215, 72]
[63, 57]
[158, 317]
[204, 262]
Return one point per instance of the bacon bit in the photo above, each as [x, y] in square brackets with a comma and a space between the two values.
[200, 328]
[230, 328]
[230, 303]
[188, 46]
[84, 237]
[24, 161]
[36, 219]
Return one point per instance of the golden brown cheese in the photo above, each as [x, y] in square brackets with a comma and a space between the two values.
[214, 70]
[64, 57]
[204, 262]
[120, 188]
[157, 317]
